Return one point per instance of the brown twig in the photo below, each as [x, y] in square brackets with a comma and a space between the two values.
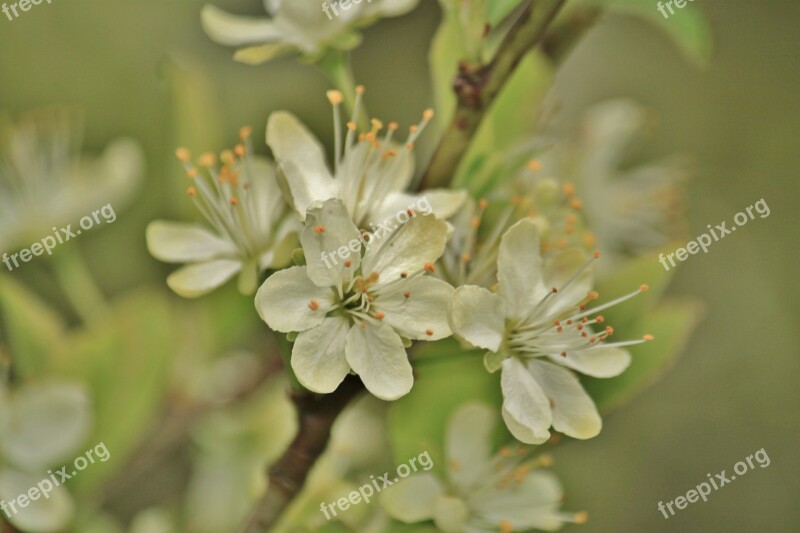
[316, 414]
[476, 87]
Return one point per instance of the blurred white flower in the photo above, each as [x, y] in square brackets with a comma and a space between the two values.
[305, 26]
[45, 184]
[482, 492]
[253, 229]
[370, 174]
[534, 326]
[355, 315]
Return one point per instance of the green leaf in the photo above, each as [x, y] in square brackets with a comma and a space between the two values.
[34, 330]
[671, 324]
[687, 27]
[446, 376]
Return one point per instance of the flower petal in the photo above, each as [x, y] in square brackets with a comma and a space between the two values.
[419, 241]
[284, 301]
[452, 514]
[201, 278]
[318, 357]
[302, 161]
[478, 315]
[376, 353]
[441, 202]
[469, 444]
[533, 504]
[599, 362]
[423, 314]
[183, 243]
[255, 55]
[519, 268]
[413, 499]
[526, 409]
[233, 30]
[51, 513]
[574, 412]
[329, 231]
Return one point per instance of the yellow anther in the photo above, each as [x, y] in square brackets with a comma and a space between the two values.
[360, 89]
[427, 115]
[334, 97]
[208, 159]
[535, 165]
[183, 155]
[245, 132]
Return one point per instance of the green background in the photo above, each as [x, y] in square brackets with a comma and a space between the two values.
[145, 69]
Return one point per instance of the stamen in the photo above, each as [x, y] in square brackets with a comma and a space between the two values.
[535, 165]
[183, 155]
[429, 332]
[429, 267]
[245, 132]
[313, 305]
[319, 229]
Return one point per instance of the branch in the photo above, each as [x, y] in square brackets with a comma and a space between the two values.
[560, 40]
[316, 414]
[476, 87]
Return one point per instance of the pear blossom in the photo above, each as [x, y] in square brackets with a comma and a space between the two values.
[252, 228]
[305, 26]
[44, 182]
[538, 330]
[481, 492]
[355, 315]
[369, 174]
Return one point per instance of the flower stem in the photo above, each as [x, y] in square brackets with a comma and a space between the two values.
[476, 87]
[79, 286]
[316, 415]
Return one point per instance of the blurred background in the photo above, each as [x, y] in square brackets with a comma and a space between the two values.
[145, 69]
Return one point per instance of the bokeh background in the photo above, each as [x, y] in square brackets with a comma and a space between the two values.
[145, 69]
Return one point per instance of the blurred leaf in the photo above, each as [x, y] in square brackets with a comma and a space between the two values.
[671, 324]
[125, 361]
[687, 27]
[44, 423]
[34, 330]
[445, 53]
[446, 376]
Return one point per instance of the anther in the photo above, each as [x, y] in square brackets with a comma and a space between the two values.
[576, 204]
[234, 201]
[183, 155]
[313, 305]
[429, 332]
[360, 89]
[483, 203]
[191, 191]
[569, 189]
[239, 150]
[348, 263]
[648, 337]
[319, 229]
[644, 288]
[403, 275]
[334, 97]
[407, 294]
[427, 115]
[429, 267]
[207, 160]
[379, 315]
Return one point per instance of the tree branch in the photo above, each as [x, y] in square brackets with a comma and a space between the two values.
[476, 87]
[316, 414]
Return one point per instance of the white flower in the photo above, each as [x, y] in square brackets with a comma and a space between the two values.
[534, 327]
[44, 182]
[369, 175]
[305, 26]
[482, 493]
[629, 209]
[354, 315]
[242, 202]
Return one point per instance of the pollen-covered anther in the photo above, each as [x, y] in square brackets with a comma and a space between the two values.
[239, 150]
[475, 222]
[554, 290]
[393, 126]
[313, 305]
[483, 203]
[348, 263]
[506, 452]
[334, 97]
[563, 354]
[192, 173]
[409, 146]
[360, 89]
[351, 126]
[581, 518]
[404, 275]
[379, 315]
[535, 165]
[410, 212]
[407, 294]
[600, 319]
[183, 155]
[429, 332]
[648, 337]
[609, 330]
[208, 159]
[234, 201]
[576, 204]
[429, 267]
[644, 287]
[559, 329]
[427, 115]
[319, 229]
[245, 132]
[226, 156]
[505, 527]
[388, 153]
[569, 189]
[373, 277]
[596, 255]
[191, 191]
[466, 258]
[593, 295]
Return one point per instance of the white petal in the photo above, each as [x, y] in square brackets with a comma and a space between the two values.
[478, 315]
[452, 514]
[302, 160]
[376, 353]
[526, 409]
[183, 243]
[318, 357]
[558, 270]
[425, 310]
[419, 241]
[201, 278]
[329, 230]
[469, 444]
[284, 301]
[599, 362]
[574, 412]
[255, 55]
[413, 499]
[43, 515]
[234, 30]
[519, 268]
[533, 504]
[441, 202]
